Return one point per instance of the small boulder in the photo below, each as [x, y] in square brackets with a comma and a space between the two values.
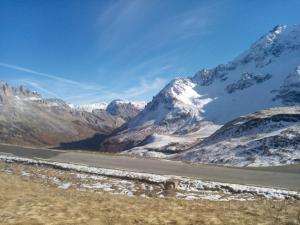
[171, 184]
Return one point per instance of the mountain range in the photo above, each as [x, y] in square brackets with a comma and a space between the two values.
[28, 119]
[243, 113]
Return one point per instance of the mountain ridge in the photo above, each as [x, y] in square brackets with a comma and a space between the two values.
[185, 119]
[269, 137]
[223, 93]
[28, 119]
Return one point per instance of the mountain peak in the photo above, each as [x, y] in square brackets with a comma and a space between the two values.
[22, 91]
[138, 104]
[264, 76]
[124, 108]
[280, 40]
[222, 93]
[274, 33]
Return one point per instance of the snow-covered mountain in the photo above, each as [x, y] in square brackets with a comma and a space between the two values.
[265, 138]
[89, 107]
[125, 109]
[266, 75]
[261, 77]
[119, 107]
[199, 118]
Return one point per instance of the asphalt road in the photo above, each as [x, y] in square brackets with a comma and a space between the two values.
[287, 177]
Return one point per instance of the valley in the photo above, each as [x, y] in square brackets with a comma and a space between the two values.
[137, 112]
[206, 118]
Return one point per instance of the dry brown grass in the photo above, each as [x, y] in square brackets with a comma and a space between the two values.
[26, 202]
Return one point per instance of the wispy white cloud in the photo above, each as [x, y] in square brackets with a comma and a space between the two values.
[146, 86]
[141, 46]
[64, 88]
[118, 22]
[122, 21]
[139, 90]
[49, 76]
[38, 87]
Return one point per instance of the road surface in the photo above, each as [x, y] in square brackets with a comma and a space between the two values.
[287, 177]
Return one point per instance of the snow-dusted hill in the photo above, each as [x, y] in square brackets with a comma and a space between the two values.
[28, 119]
[265, 138]
[266, 75]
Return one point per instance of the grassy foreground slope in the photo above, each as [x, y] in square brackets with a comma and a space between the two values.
[23, 201]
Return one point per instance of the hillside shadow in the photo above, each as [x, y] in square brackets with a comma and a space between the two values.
[89, 144]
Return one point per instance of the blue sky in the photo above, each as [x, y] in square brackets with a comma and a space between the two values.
[86, 51]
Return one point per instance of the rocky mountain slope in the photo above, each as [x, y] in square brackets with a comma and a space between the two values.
[125, 109]
[264, 138]
[28, 119]
[264, 76]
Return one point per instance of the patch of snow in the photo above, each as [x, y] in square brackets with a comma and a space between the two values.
[25, 174]
[65, 185]
[92, 170]
[188, 188]
[102, 186]
[89, 107]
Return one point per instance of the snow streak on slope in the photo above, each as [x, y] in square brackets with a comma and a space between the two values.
[168, 145]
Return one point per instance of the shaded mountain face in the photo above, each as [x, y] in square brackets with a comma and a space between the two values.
[266, 75]
[265, 138]
[28, 119]
[125, 109]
